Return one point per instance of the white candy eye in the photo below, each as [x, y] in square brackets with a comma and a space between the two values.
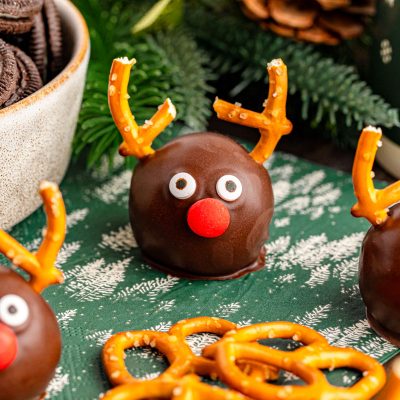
[229, 188]
[14, 310]
[182, 185]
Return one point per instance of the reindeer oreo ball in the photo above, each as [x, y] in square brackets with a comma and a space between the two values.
[30, 340]
[201, 205]
[380, 254]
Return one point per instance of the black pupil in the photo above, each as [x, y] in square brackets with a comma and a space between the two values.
[12, 310]
[181, 184]
[230, 186]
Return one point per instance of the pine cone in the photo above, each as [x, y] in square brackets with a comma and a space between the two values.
[317, 21]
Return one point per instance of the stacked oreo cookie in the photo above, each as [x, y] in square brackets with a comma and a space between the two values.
[31, 47]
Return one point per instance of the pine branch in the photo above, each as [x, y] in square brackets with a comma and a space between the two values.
[169, 65]
[335, 91]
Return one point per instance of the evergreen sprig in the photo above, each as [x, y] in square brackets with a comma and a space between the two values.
[333, 90]
[170, 64]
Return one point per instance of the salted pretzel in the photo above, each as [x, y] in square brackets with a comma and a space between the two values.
[305, 362]
[137, 139]
[373, 204]
[181, 358]
[187, 388]
[272, 122]
[41, 266]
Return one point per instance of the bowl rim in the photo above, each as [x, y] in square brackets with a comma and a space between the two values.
[73, 64]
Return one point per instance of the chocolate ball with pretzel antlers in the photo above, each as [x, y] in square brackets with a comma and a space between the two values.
[30, 339]
[380, 256]
[200, 206]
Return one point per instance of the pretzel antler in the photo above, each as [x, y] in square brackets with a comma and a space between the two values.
[373, 204]
[272, 122]
[40, 266]
[137, 139]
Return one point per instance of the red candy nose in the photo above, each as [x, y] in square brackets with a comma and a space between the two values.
[8, 346]
[208, 218]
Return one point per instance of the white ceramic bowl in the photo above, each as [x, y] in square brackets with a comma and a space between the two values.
[36, 133]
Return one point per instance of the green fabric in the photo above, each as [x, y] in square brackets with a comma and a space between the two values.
[311, 276]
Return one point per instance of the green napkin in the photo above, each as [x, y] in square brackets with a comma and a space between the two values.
[311, 277]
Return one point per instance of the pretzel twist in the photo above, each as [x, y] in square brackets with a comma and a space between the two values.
[272, 122]
[372, 204]
[41, 266]
[306, 362]
[178, 353]
[137, 139]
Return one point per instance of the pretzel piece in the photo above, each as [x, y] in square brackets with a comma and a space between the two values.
[173, 345]
[137, 139]
[305, 362]
[41, 267]
[184, 328]
[270, 330]
[188, 388]
[220, 327]
[113, 354]
[272, 122]
[372, 204]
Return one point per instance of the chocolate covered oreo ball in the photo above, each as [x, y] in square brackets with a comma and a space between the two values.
[30, 340]
[380, 254]
[200, 206]
[207, 212]
[380, 276]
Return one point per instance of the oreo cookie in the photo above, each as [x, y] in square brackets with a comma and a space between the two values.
[16, 16]
[37, 46]
[54, 35]
[45, 43]
[28, 79]
[8, 72]
[31, 47]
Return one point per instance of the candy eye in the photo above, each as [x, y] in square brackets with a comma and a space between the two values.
[182, 185]
[229, 188]
[14, 310]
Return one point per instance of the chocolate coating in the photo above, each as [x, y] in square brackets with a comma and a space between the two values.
[39, 343]
[380, 276]
[159, 219]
